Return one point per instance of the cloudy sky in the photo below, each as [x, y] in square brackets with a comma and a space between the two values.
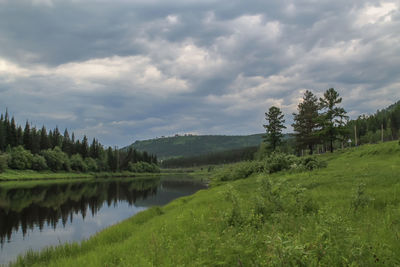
[125, 70]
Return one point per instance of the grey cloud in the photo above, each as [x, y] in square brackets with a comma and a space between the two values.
[103, 68]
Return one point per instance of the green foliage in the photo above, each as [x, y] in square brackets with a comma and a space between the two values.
[56, 159]
[20, 158]
[239, 170]
[279, 161]
[141, 167]
[360, 198]
[91, 164]
[3, 162]
[77, 163]
[39, 163]
[311, 163]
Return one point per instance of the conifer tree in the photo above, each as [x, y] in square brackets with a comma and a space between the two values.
[110, 159]
[44, 141]
[66, 143]
[84, 151]
[35, 140]
[332, 117]
[27, 138]
[20, 136]
[274, 127]
[305, 123]
[12, 134]
[2, 134]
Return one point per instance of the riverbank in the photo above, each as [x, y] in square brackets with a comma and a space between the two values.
[26, 175]
[345, 214]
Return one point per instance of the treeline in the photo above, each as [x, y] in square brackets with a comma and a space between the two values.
[39, 149]
[321, 125]
[223, 157]
[384, 125]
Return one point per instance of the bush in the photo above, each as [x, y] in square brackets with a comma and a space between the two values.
[56, 159]
[3, 162]
[39, 163]
[279, 161]
[311, 163]
[143, 167]
[77, 163]
[91, 164]
[20, 158]
[239, 170]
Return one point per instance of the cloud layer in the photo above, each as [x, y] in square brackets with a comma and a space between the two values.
[127, 70]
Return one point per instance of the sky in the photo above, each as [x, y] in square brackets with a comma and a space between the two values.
[124, 70]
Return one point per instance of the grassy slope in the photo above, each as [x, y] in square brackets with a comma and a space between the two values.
[185, 146]
[310, 219]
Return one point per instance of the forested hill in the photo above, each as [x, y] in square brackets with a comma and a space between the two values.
[193, 145]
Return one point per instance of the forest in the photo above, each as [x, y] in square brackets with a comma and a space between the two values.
[39, 150]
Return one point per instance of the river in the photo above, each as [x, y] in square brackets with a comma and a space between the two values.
[34, 215]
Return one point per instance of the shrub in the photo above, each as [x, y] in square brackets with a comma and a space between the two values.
[279, 161]
[20, 158]
[91, 164]
[239, 170]
[142, 166]
[56, 159]
[3, 162]
[77, 163]
[39, 163]
[311, 163]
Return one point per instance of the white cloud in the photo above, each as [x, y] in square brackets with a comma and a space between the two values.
[373, 14]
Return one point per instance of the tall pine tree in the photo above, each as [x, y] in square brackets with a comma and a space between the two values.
[305, 123]
[274, 127]
[331, 119]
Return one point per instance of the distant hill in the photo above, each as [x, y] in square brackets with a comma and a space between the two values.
[187, 146]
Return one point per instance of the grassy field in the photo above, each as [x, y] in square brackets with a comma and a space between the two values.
[347, 214]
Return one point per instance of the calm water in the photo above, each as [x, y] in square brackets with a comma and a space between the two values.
[35, 216]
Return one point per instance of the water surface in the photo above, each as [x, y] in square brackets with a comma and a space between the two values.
[33, 216]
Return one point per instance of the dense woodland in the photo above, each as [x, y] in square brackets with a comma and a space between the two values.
[39, 149]
[195, 145]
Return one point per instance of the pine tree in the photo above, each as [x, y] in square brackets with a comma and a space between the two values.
[2, 134]
[12, 135]
[35, 140]
[44, 141]
[56, 139]
[274, 127]
[84, 151]
[305, 123]
[27, 138]
[66, 143]
[110, 159]
[332, 117]
[20, 136]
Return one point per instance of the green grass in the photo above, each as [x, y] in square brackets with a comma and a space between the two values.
[347, 214]
[25, 175]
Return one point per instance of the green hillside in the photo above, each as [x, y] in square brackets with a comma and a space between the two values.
[347, 214]
[186, 146]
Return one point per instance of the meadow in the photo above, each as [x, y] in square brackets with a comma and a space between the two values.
[347, 214]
